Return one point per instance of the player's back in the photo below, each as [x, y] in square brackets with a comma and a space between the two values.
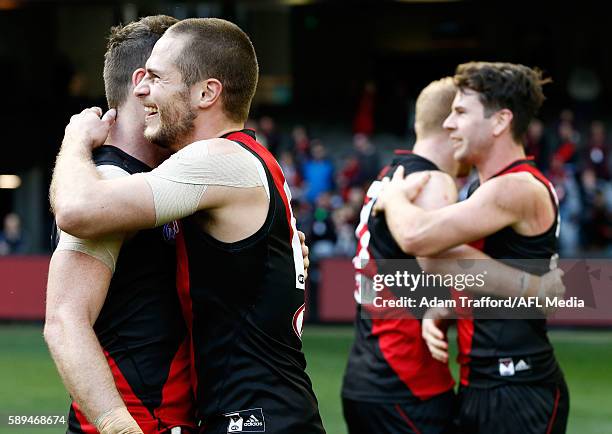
[389, 361]
[140, 326]
[247, 307]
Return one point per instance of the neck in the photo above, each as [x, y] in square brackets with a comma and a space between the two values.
[437, 150]
[211, 128]
[500, 155]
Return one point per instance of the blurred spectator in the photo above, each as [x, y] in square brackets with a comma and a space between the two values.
[537, 145]
[570, 205]
[13, 240]
[355, 199]
[595, 215]
[598, 230]
[318, 172]
[364, 118]
[267, 128]
[292, 174]
[344, 222]
[301, 144]
[361, 167]
[348, 176]
[568, 142]
[323, 234]
[368, 158]
[595, 155]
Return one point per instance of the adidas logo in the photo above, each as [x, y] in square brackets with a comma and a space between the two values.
[253, 421]
[522, 366]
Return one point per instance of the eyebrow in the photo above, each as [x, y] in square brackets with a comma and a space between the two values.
[152, 70]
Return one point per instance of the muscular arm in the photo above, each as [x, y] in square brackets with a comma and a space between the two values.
[76, 290]
[79, 276]
[501, 280]
[498, 203]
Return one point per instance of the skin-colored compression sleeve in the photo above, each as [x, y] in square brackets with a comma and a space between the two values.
[179, 183]
[105, 249]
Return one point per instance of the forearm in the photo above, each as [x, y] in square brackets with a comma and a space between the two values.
[82, 365]
[76, 290]
[407, 223]
[498, 279]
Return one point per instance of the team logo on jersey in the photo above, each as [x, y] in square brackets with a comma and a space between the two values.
[301, 279]
[298, 321]
[170, 230]
[251, 420]
[506, 367]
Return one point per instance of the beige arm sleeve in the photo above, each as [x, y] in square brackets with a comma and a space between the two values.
[179, 183]
[104, 249]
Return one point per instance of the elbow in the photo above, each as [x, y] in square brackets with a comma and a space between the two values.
[61, 326]
[428, 265]
[72, 217]
[53, 332]
[411, 243]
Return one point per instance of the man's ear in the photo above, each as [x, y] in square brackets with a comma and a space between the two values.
[502, 121]
[210, 91]
[137, 76]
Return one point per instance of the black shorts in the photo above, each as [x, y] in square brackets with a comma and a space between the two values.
[514, 408]
[434, 416]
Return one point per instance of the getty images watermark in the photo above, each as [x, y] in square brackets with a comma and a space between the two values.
[568, 289]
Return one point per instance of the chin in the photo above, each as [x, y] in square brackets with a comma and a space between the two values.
[150, 134]
[459, 155]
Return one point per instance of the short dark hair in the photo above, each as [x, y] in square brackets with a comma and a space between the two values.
[219, 49]
[128, 49]
[515, 87]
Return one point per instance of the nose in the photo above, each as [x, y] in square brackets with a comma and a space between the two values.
[142, 88]
[449, 122]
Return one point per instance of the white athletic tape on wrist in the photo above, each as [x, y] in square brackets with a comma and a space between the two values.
[117, 420]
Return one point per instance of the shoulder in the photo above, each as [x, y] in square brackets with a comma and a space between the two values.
[439, 191]
[443, 180]
[438, 180]
[215, 146]
[514, 190]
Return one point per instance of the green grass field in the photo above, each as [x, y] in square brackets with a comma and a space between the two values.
[29, 384]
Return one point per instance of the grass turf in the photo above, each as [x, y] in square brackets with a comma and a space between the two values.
[29, 384]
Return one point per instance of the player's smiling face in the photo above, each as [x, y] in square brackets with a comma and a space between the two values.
[167, 101]
[470, 131]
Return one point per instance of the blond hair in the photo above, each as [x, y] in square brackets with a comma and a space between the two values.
[433, 106]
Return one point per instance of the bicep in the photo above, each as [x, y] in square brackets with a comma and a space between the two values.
[193, 179]
[480, 215]
[117, 205]
[77, 285]
[122, 205]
